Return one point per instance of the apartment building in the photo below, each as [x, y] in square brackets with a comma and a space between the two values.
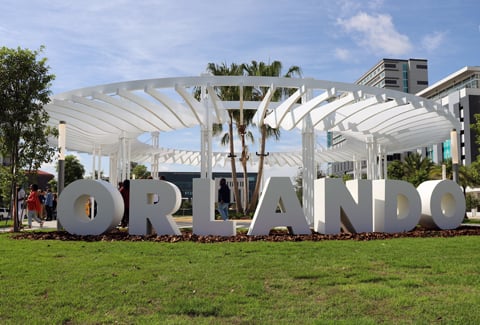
[410, 76]
[460, 93]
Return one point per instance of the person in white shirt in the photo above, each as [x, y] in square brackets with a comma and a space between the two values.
[20, 204]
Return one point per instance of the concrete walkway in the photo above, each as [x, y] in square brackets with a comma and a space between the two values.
[182, 222]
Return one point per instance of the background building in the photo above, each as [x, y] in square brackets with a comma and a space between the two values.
[184, 181]
[460, 93]
[409, 76]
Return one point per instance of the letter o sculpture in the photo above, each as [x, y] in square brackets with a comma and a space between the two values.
[71, 207]
[443, 204]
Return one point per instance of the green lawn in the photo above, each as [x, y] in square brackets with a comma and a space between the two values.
[408, 280]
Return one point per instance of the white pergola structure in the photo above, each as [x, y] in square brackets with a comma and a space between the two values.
[107, 120]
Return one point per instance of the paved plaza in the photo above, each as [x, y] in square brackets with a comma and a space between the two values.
[182, 222]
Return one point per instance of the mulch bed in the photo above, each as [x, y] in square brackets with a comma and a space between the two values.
[274, 236]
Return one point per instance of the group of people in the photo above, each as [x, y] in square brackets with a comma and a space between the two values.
[40, 205]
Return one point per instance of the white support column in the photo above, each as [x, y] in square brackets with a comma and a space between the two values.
[309, 173]
[385, 164]
[374, 159]
[156, 145]
[129, 158]
[99, 155]
[94, 160]
[119, 161]
[357, 168]
[203, 161]
[113, 172]
[369, 156]
[124, 159]
[206, 140]
[371, 163]
[379, 162]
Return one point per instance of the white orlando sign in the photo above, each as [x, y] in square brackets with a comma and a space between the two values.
[360, 205]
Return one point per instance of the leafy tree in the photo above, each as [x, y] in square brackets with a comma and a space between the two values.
[475, 127]
[474, 170]
[24, 90]
[140, 171]
[53, 185]
[74, 170]
[472, 202]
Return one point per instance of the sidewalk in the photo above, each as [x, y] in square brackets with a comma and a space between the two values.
[35, 226]
[182, 222]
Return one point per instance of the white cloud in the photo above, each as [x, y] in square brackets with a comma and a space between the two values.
[377, 33]
[342, 54]
[433, 41]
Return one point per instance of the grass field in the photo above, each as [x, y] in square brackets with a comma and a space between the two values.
[409, 280]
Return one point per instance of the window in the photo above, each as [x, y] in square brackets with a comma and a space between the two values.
[422, 82]
[390, 65]
[422, 66]
[390, 82]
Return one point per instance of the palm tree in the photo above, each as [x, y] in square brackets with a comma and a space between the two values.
[414, 169]
[243, 118]
[417, 168]
[228, 93]
[273, 69]
[467, 175]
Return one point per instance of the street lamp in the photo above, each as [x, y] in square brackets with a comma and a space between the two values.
[62, 129]
[454, 153]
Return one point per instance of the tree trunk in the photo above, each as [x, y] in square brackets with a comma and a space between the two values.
[244, 159]
[236, 193]
[256, 192]
[14, 196]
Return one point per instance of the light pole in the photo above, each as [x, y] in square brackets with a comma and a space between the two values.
[454, 153]
[62, 129]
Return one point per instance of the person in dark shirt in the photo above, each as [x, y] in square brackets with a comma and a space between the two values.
[125, 192]
[223, 199]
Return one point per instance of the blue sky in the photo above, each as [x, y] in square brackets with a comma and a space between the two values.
[93, 42]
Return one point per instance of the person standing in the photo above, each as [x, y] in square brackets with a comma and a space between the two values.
[33, 205]
[54, 206]
[41, 197]
[125, 192]
[223, 199]
[49, 204]
[20, 204]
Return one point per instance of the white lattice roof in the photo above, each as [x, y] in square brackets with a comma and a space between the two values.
[97, 117]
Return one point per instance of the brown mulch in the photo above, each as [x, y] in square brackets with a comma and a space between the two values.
[274, 236]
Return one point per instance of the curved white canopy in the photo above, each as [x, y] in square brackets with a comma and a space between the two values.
[100, 116]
